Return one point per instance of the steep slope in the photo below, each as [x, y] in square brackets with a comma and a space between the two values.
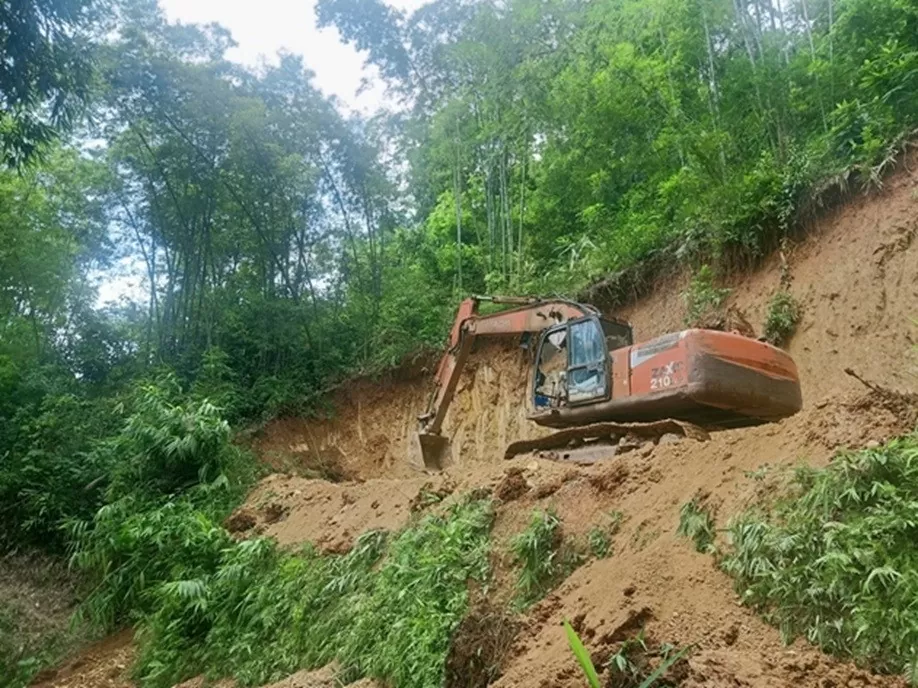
[855, 273]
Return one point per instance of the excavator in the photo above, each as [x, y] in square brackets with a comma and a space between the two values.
[590, 379]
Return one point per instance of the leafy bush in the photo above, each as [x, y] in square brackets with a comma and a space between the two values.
[836, 561]
[543, 559]
[131, 547]
[703, 299]
[782, 318]
[50, 473]
[204, 602]
[697, 524]
[167, 446]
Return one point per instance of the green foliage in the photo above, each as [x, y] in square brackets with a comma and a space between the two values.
[629, 666]
[583, 657]
[166, 447]
[46, 71]
[205, 603]
[782, 318]
[697, 524]
[835, 561]
[542, 556]
[130, 548]
[600, 542]
[703, 299]
[599, 538]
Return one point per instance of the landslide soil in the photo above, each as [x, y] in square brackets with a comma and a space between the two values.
[856, 274]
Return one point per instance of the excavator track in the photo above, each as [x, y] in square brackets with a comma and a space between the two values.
[592, 443]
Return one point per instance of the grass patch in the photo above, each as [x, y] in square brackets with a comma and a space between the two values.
[697, 524]
[836, 561]
[542, 556]
[599, 539]
[782, 318]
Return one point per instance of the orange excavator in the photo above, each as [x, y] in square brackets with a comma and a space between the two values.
[588, 375]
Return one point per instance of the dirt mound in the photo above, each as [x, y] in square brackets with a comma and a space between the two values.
[371, 431]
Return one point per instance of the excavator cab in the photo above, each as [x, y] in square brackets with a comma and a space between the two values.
[572, 362]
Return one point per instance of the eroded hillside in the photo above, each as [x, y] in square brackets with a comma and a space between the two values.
[856, 275]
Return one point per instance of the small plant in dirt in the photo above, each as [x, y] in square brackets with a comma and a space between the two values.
[599, 539]
[781, 320]
[638, 664]
[697, 524]
[543, 559]
[835, 561]
[703, 299]
[635, 665]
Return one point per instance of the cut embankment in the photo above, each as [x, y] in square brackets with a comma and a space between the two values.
[856, 279]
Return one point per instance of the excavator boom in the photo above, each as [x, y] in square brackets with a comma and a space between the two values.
[528, 314]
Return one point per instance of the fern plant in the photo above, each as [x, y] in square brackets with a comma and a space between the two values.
[836, 560]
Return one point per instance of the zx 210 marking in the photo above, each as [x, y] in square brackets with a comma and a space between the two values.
[670, 375]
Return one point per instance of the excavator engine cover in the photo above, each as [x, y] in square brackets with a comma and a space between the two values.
[706, 377]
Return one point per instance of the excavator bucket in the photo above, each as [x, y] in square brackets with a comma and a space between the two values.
[435, 450]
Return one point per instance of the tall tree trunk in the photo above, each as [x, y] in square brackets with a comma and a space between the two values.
[457, 201]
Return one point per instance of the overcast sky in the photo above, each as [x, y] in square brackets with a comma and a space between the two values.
[263, 27]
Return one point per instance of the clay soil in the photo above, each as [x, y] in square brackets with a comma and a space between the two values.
[856, 275]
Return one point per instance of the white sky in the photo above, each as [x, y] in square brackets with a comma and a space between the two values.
[263, 27]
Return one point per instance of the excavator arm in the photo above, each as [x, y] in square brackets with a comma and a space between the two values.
[527, 315]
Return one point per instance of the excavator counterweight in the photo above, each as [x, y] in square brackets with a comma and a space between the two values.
[588, 371]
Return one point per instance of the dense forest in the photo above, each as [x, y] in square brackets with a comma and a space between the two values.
[282, 244]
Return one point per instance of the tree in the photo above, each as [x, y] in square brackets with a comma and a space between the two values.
[45, 71]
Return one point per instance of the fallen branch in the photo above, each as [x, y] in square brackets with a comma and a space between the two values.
[868, 385]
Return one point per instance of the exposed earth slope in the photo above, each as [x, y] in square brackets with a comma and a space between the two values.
[856, 275]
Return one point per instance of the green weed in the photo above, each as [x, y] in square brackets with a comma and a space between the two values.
[836, 561]
[629, 666]
[543, 559]
[697, 524]
[703, 299]
[783, 315]
[599, 538]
